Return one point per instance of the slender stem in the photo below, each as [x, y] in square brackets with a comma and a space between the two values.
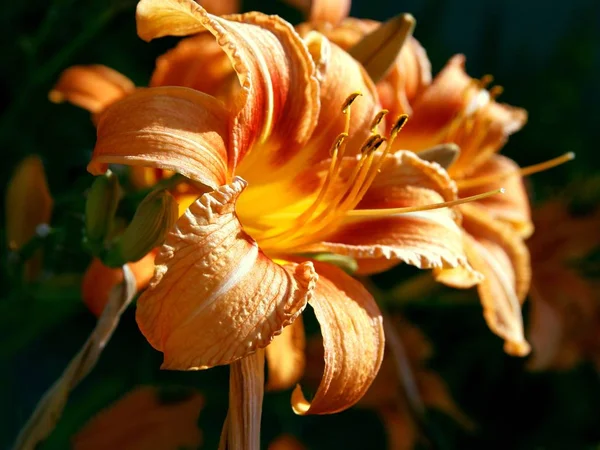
[246, 391]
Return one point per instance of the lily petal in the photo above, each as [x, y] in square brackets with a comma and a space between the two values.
[91, 87]
[198, 62]
[512, 207]
[211, 276]
[441, 109]
[99, 280]
[275, 70]
[425, 239]
[171, 128]
[496, 251]
[285, 357]
[409, 75]
[353, 339]
[142, 420]
[329, 12]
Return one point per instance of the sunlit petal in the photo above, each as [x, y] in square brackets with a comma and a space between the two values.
[91, 87]
[216, 297]
[426, 239]
[275, 71]
[173, 128]
[285, 357]
[353, 339]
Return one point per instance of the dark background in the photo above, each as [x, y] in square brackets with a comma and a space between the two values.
[547, 57]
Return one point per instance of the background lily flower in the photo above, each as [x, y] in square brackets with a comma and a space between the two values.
[565, 308]
[275, 117]
[455, 109]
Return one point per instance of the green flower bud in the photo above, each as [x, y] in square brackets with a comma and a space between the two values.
[346, 263]
[100, 209]
[153, 219]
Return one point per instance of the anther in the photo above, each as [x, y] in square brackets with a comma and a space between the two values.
[485, 81]
[377, 120]
[338, 143]
[399, 124]
[373, 140]
[349, 101]
[495, 92]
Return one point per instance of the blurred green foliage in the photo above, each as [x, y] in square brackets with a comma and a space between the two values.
[545, 54]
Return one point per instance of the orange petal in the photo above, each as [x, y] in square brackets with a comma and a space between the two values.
[28, 204]
[198, 62]
[496, 251]
[169, 128]
[512, 207]
[279, 168]
[142, 420]
[285, 357]
[353, 338]
[91, 87]
[454, 108]
[425, 239]
[409, 75]
[221, 7]
[323, 11]
[286, 442]
[278, 94]
[211, 276]
[99, 280]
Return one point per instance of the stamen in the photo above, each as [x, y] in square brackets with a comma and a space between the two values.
[349, 101]
[523, 172]
[337, 144]
[495, 92]
[372, 143]
[377, 120]
[411, 209]
[485, 81]
[398, 126]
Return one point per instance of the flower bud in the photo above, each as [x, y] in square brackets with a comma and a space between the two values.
[100, 208]
[346, 263]
[153, 219]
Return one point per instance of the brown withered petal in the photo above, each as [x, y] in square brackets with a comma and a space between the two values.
[211, 276]
[173, 128]
[378, 50]
[99, 280]
[513, 206]
[286, 442]
[497, 252]
[141, 421]
[91, 87]
[286, 358]
[221, 7]
[426, 239]
[353, 339]
[275, 71]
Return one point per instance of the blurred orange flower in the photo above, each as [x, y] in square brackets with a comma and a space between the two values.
[145, 419]
[247, 97]
[28, 204]
[564, 327]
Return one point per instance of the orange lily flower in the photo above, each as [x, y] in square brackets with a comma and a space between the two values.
[565, 306]
[145, 419]
[28, 205]
[261, 129]
[456, 121]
